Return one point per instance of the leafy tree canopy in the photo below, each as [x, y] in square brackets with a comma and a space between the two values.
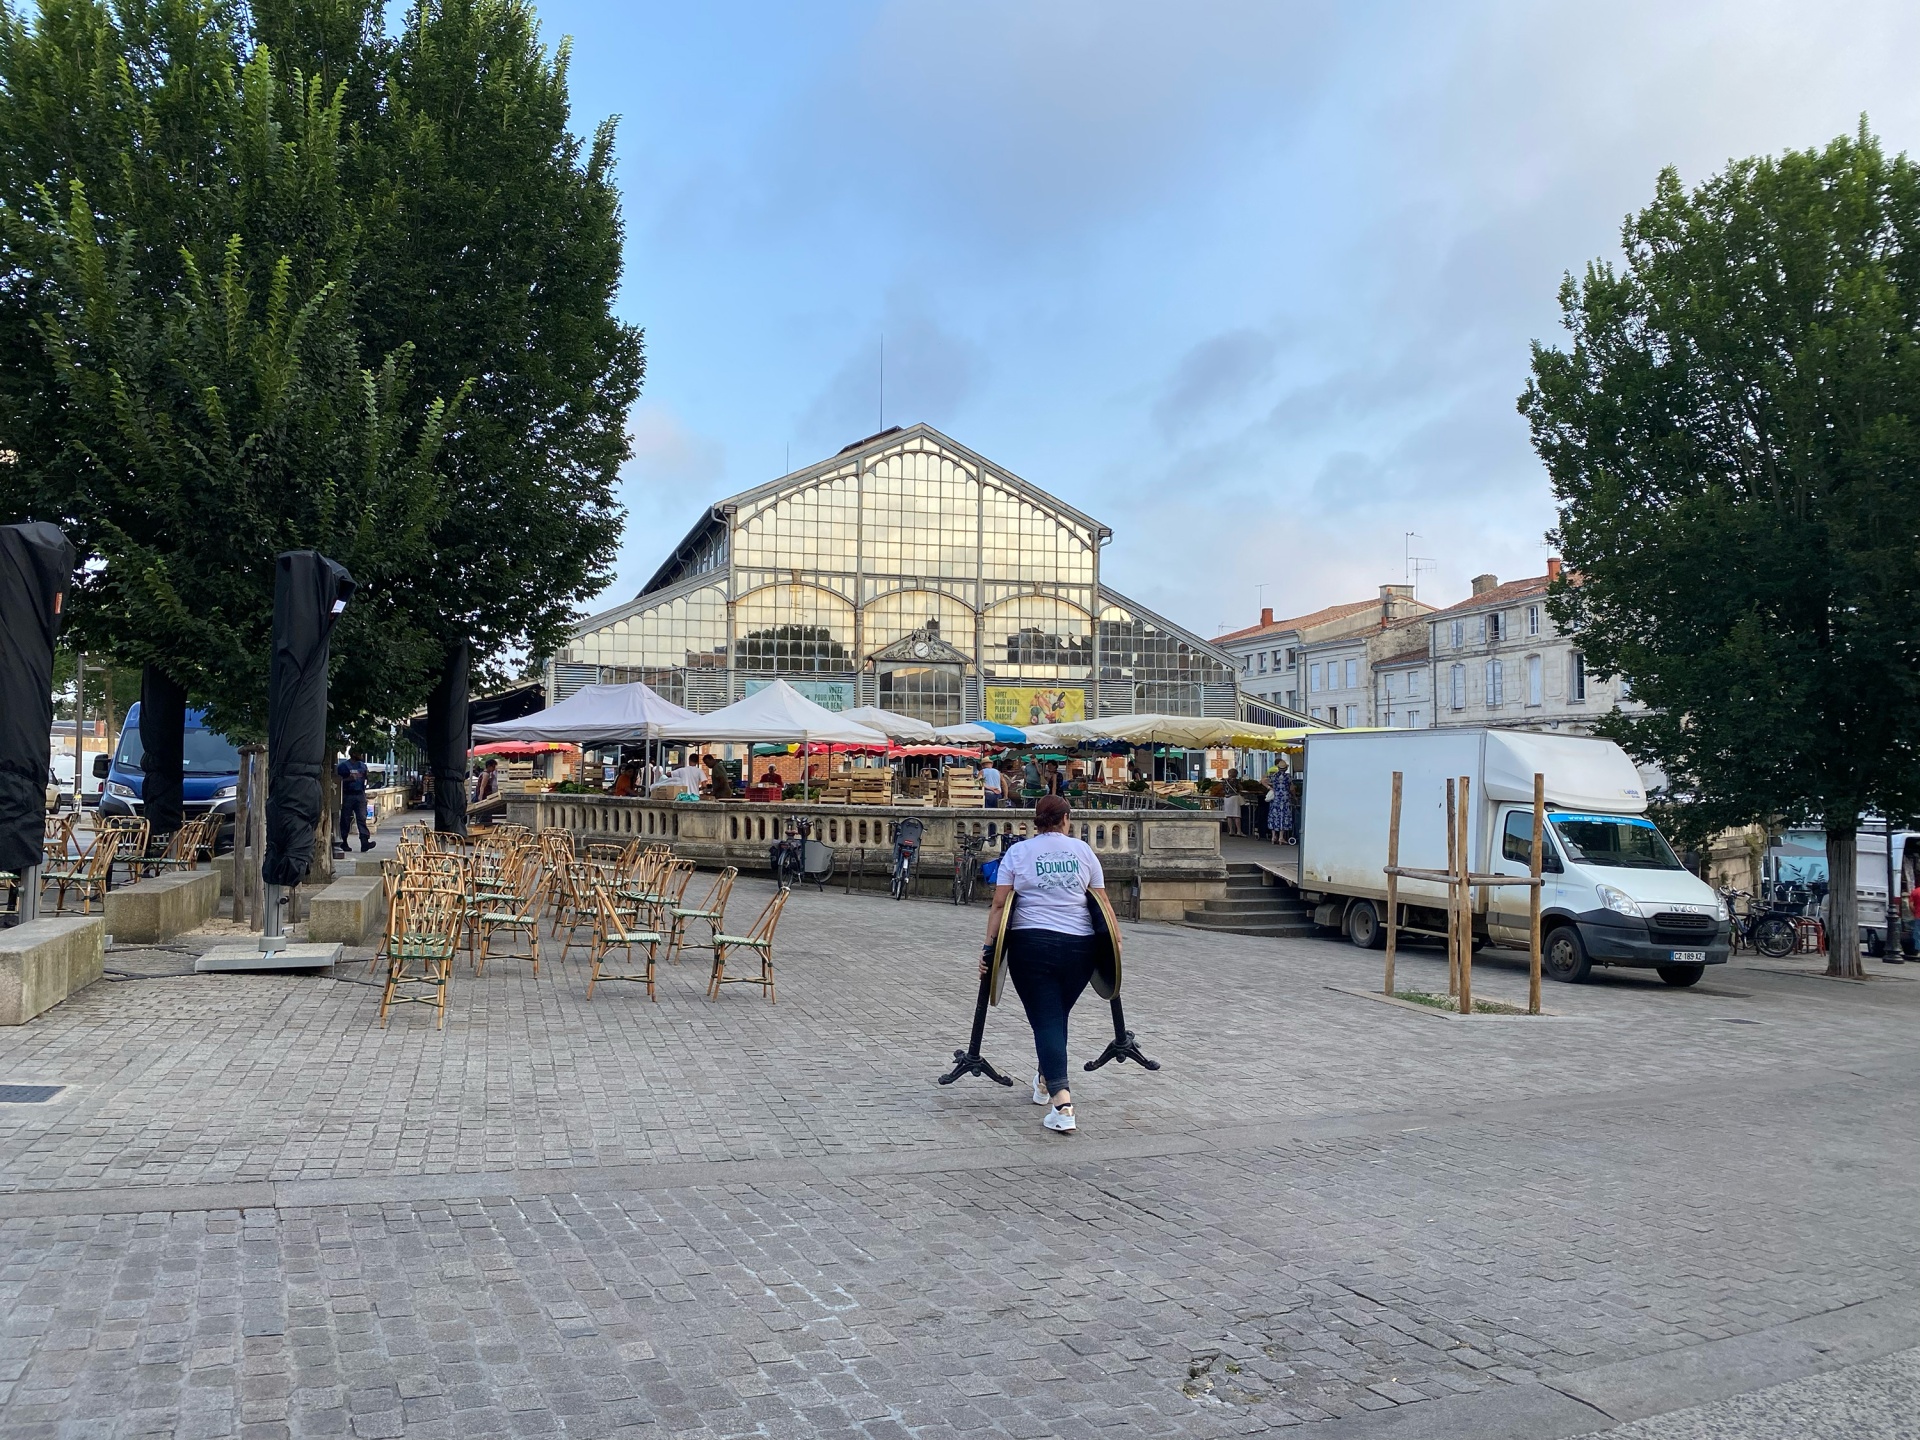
[1733, 440]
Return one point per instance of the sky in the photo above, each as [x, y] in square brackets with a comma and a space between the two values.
[1253, 284]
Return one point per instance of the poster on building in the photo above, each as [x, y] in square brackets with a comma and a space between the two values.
[834, 695]
[1024, 705]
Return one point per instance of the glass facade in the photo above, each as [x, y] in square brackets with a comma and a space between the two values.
[905, 535]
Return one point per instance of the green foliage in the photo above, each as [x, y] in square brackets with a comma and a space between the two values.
[469, 155]
[1734, 444]
[211, 407]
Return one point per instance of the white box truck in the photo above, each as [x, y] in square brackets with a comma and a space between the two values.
[1615, 893]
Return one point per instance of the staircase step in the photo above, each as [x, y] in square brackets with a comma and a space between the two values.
[1263, 905]
[1250, 925]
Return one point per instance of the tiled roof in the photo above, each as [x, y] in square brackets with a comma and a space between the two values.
[1299, 622]
[1500, 595]
[1404, 656]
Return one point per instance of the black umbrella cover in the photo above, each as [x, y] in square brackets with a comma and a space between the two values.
[309, 592]
[163, 738]
[448, 731]
[36, 567]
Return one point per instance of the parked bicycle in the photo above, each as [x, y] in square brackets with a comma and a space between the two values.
[966, 866]
[1767, 931]
[797, 856]
[906, 856]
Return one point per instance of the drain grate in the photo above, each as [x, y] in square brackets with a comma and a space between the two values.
[28, 1094]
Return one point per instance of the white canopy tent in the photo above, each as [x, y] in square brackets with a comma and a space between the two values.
[593, 715]
[889, 723]
[776, 715]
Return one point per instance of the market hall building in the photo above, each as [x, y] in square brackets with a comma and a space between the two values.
[906, 572]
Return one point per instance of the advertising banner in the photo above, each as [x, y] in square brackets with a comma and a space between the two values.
[1023, 705]
[834, 695]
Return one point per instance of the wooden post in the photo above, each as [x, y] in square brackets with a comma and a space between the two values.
[237, 857]
[1533, 895]
[1393, 881]
[1465, 854]
[1453, 908]
[80, 738]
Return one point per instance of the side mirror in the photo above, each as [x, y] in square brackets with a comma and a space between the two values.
[101, 765]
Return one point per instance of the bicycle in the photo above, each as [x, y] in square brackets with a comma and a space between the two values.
[966, 866]
[906, 856]
[1767, 932]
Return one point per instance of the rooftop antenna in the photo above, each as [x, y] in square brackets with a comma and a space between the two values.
[883, 382]
[1416, 563]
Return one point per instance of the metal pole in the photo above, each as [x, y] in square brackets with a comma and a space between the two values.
[29, 894]
[79, 735]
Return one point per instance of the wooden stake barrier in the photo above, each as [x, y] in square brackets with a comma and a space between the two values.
[1393, 880]
[1460, 880]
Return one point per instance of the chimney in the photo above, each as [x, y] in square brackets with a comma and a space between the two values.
[1483, 583]
[1266, 613]
[1553, 568]
[1396, 601]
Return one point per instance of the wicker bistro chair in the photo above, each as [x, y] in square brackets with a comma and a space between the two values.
[89, 872]
[134, 834]
[616, 927]
[393, 874]
[516, 911]
[182, 850]
[59, 841]
[577, 904]
[424, 936]
[759, 940]
[712, 909]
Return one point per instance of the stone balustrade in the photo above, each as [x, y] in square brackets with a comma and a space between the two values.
[1174, 855]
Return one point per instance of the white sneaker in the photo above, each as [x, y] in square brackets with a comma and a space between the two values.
[1060, 1118]
[1041, 1095]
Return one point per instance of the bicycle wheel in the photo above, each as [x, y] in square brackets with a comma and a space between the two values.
[898, 888]
[1775, 938]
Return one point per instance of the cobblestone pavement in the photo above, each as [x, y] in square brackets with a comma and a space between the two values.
[255, 1212]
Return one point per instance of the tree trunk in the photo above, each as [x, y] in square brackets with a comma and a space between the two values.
[1843, 904]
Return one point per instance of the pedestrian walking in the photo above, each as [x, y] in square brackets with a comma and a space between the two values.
[353, 799]
[1280, 805]
[1050, 942]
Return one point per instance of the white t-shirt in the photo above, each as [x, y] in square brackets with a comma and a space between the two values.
[1051, 875]
[688, 777]
[990, 780]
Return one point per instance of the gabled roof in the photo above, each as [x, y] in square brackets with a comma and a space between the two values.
[1500, 595]
[1299, 622]
[1405, 657]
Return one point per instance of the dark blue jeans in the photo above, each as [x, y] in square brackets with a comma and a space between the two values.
[1049, 970]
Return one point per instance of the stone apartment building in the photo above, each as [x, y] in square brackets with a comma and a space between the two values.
[1318, 664]
[1497, 659]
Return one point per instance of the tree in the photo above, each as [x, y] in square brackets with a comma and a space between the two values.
[488, 226]
[1734, 445]
[187, 393]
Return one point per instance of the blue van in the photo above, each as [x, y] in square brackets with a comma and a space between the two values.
[210, 781]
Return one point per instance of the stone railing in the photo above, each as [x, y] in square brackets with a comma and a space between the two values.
[1174, 855]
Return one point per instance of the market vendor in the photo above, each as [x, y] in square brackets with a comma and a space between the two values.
[772, 777]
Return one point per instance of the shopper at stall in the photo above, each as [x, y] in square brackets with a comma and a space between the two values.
[689, 777]
[993, 783]
[1050, 942]
[1230, 802]
[721, 780]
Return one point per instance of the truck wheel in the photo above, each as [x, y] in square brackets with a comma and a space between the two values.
[1681, 976]
[1364, 927]
[1564, 958]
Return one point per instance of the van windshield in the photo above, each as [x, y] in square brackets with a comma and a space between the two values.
[1614, 840]
[205, 752]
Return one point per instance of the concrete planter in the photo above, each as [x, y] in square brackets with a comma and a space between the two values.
[158, 909]
[348, 912]
[45, 961]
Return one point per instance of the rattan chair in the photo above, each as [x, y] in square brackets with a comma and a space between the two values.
[134, 833]
[90, 872]
[516, 911]
[710, 909]
[759, 940]
[425, 935]
[614, 929]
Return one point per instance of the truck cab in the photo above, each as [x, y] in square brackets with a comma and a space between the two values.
[1614, 894]
[210, 780]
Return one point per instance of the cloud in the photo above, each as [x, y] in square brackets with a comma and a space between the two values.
[1217, 373]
